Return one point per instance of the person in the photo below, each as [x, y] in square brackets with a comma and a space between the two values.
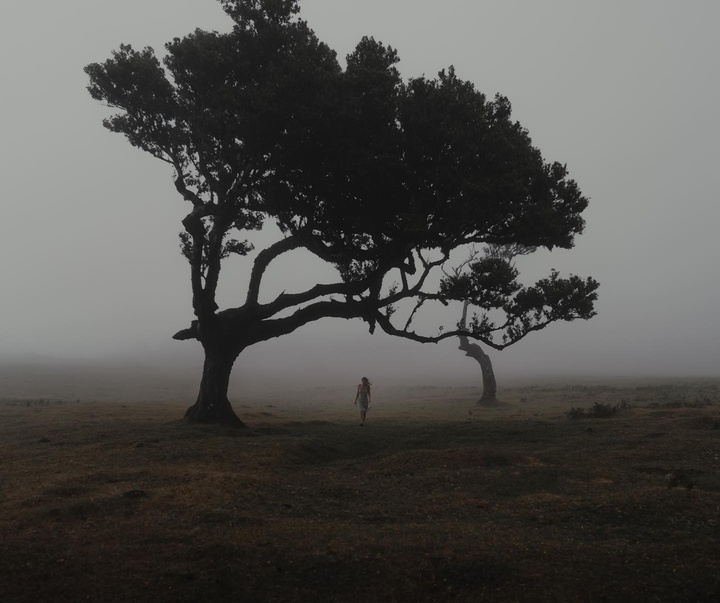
[364, 397]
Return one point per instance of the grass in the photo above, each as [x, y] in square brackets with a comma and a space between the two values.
[433, 500]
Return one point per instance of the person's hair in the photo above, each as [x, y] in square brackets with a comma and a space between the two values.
[366, 379]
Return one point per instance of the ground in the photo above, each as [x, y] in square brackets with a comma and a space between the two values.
[434, 499]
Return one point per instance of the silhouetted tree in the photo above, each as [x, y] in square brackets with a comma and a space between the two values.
[380, 178]
[473, 350]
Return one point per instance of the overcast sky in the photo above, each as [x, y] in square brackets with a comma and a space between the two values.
[625, 92]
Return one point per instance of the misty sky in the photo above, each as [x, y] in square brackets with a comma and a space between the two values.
[626, 92]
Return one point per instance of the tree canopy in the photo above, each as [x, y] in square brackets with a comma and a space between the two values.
[380, 177]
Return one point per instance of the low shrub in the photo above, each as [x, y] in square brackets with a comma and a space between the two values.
[597, 411]
[576, 413]
[603, 411]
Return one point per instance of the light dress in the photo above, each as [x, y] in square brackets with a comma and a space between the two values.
[362, 398]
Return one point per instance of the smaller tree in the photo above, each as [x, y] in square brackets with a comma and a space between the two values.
[473, 350]
[575, 298]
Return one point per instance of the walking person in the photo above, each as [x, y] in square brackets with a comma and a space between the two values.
[364, 398]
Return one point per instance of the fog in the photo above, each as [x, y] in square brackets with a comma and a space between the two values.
[626, 94]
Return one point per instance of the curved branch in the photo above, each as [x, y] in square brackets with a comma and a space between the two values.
[287, 300]
[414, 290]
[263, 260]
[269, 329]
[387, 326]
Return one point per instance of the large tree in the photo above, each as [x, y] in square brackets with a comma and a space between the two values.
[380, 178]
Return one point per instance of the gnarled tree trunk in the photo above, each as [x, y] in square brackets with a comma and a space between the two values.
[212, 404]
[489, 395]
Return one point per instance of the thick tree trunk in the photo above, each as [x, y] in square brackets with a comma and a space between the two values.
[212, 404]
[489, 395]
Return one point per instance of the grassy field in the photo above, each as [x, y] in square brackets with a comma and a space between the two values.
[434, 499]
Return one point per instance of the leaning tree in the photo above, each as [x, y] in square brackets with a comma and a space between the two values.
[380, 178]
[497, 260]
[471, 349]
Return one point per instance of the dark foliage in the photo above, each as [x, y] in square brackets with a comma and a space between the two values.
[378, 177]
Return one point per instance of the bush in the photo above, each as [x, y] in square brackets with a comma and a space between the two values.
[576, 413]
[598, 411]
[603, 411]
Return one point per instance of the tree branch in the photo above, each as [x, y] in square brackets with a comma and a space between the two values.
[268, 329]
[517, 333]
[262, 261]
[189, 333]
[194, 226]
[180, 186]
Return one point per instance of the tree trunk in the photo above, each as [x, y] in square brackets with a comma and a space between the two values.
[212, 404]
[489, 395]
